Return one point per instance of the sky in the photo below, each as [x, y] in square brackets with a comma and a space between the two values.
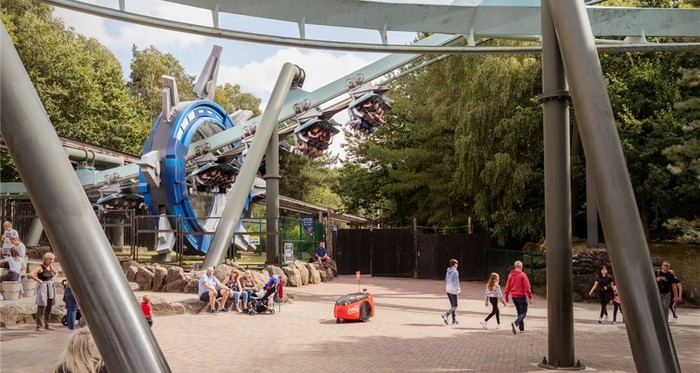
[254, 67]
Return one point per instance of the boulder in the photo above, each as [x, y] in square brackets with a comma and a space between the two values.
[261, 277]
[174, 274]
[25, 313]
[193, 305]
[293, 276]
[273, 270]
[131, 273]
[314, 274]
[161, 307]
[303, 272]
[222, 271]
[134, 286]
[191, 286]
[126, 263]
[159, 276]
[144, 278]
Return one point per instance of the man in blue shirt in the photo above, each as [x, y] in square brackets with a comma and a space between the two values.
[321, 254]
[211, 289]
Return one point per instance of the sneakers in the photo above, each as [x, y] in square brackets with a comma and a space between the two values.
[238, 308]
[484, 324]
[675, 319]
[498, 326]
[212, 312]
[444, 318]
[38, 328]
[600, 320]
[49, 327]
[455, 322]
[512, 326]
[522, 332]
[223, 310]
[614, 322]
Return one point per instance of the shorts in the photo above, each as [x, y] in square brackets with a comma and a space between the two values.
[205, 296]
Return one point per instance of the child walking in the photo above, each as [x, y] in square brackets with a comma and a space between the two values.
[616, 302]
[493, 295]
[147, 309]
[453, 289]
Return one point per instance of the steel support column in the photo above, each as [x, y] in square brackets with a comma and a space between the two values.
[647, 328]
[123, 338]
[591, 212]
[34, 234]
[244, 180]
[557, 200]
[272, 197]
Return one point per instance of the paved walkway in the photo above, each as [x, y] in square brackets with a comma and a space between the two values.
[406, 335]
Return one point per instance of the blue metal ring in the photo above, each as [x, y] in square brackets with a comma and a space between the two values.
[173, 171]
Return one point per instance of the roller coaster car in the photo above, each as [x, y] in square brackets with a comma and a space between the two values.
[120, 201]
[214, 174]
[355, 306]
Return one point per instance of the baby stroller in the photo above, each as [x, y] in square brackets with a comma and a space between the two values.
[261, 303]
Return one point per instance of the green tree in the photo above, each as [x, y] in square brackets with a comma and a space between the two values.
[78, 81]
[685, 156]
[230, 97]
[643, 90]
[145, 81]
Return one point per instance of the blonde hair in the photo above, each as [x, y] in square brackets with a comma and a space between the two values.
[47, 256]
[80, 355]
[493, 280]
[146, 299]
[236, 272]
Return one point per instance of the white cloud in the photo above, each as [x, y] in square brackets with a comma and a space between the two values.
[120, 36]
[321, 68]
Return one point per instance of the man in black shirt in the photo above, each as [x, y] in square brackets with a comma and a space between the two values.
[668, 287]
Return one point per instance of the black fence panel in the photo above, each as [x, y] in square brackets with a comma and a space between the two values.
[353, 251]
[435, 252]
[393, 252]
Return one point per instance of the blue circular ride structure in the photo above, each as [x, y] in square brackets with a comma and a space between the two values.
[192, 121]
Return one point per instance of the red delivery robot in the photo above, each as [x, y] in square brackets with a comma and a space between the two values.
[355, 306]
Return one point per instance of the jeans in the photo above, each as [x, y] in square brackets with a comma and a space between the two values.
[453, 304]
[240, 295]
[521, 308]
[71, 313]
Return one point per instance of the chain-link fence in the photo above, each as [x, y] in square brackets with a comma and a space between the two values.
[304, 233]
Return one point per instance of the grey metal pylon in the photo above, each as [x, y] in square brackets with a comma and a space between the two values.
[647, 328]
[244, 180]
[120, 331]
[557, 199]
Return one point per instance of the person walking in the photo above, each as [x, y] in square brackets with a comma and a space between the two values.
[493, 294]
[668, 286]
[452, 288]
[617, 306]
[603, 283]
[518, 287]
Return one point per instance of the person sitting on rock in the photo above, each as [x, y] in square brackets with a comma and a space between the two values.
[211, 289]
[321, 254]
